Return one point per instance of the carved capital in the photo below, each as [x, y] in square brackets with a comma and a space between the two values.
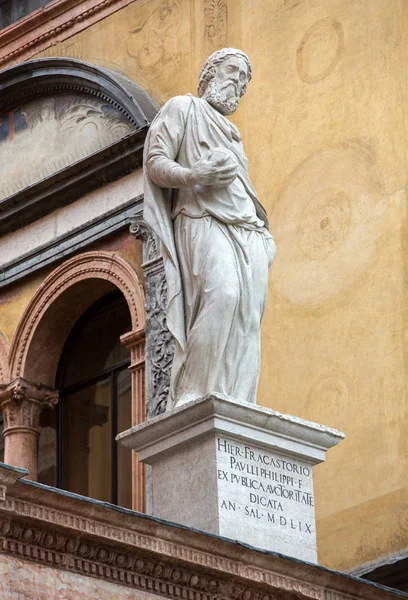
[22, 402]
[142, 231]
[135, 342]
[133, 338]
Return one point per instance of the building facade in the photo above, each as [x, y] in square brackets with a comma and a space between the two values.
[323, 124]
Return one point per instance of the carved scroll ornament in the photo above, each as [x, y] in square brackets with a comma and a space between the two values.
[159, 341]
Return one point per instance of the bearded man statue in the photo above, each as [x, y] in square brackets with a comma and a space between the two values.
[214, 233]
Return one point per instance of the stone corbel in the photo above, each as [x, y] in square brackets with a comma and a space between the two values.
[151, 244]
[21, 403]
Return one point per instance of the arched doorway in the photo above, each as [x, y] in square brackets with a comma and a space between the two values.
[94, 383]
[47, 347]
[4, 378]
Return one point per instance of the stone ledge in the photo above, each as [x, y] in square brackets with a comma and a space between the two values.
[8, 476]
[66, 531]
[67, 244]
[218, 413]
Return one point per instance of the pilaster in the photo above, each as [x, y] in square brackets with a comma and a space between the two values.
[159, 341]
[135, 342]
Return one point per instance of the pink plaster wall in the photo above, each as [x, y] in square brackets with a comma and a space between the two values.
[23, 580]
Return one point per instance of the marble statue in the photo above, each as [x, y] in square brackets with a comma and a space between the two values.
[214, 232]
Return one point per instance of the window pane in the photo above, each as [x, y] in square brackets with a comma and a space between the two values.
[47, 447]
[87, 441]
[1, 440]
[97, 347]
[124, 411]
[13, 10]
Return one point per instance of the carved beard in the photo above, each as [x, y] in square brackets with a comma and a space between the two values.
[223, 98]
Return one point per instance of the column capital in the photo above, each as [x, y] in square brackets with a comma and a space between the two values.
[133, 338]
[135, 342]
[22, 401]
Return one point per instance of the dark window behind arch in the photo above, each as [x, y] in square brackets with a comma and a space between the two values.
[95, 404]
[13, 10]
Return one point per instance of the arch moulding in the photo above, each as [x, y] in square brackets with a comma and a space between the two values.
[76, 168]
[4, 361]
[91, 275]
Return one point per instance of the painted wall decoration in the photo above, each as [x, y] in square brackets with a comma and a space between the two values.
[319, 50]
[154, 42]
[331, 212]
[47, 134]
[215, 25]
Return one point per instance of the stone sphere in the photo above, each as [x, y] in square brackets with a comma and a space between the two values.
[218, 153]
[230, 159]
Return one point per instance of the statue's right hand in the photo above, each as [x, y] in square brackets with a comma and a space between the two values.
[213, 172]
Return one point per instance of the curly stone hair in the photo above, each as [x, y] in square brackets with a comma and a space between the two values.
[208, 69]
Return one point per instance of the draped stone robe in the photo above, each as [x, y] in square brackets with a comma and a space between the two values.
[216, 251]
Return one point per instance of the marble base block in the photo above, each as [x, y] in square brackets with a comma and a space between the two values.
[236, 470]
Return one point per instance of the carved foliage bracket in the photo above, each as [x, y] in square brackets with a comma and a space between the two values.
[159, 341]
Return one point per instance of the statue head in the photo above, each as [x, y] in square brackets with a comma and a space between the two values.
[224, 78]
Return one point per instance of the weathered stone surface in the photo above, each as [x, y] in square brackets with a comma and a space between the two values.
[22, 580]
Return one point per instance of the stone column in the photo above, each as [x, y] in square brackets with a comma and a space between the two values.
[21, 403]
[159, 341]
[135, 342]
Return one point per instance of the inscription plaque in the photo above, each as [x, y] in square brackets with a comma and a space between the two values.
[269, 494]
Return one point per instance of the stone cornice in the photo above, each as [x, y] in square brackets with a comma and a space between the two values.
[110, 163]
[95, 539]
[50, 25]
[62, 247]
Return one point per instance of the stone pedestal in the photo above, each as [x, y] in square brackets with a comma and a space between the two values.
[239, 471]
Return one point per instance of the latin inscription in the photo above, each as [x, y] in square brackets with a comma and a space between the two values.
[268, 489]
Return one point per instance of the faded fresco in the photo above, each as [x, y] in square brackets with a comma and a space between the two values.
[154, 42]
[150, 41]
[45, 135]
